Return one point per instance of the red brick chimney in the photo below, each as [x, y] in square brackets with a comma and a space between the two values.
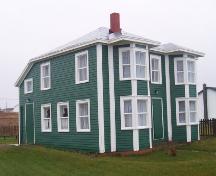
[115, 23]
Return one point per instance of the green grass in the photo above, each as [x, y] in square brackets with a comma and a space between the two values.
[197, 159]
[8, 140]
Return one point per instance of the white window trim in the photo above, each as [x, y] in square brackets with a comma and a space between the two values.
[41, 78]
[42, 118]
[185, 67]
[187, 111]
[78, 102]
[76, 67]
[58, 117]
[132, 63]
[152, 56]
[134, 100]
[25, 85]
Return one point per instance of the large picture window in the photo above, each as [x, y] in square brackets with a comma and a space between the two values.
[63, 116]
[156, 76]
[45, 76]
[83, 115]
[82, 68]
[46, 123]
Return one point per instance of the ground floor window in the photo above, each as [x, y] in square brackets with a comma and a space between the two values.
[63, 116]
[186, 111]
[135, 112]
[46, 125]
[83, 115]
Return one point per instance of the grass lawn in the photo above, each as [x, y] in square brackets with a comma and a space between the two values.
[8, 140]
[197, 159]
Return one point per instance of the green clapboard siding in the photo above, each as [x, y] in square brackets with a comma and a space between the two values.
[124, 138]
[192, 91]
[63, 88]
[106, 98]
[30, 121]
[179, 132]
[144, 139]
[194, 132]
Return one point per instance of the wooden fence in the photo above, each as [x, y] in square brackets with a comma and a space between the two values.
[208, 127]
[9, 131]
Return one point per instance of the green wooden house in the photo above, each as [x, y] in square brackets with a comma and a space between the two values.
[109, 91]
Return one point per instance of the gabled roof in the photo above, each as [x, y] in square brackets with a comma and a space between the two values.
[169, 48]
[100, 35]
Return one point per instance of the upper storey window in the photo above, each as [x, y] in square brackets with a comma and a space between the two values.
[28, 86]
[132, 64]
[156, 76]
[185, 71]
[82, 68]
[45, 76]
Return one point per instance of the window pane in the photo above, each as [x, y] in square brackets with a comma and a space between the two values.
[45, 71]
[46, 124]
[142, 120]
[191, 66]
[83, 74]
[192, 105]
[182, 118]
[83, 109]
[126, 57]
[155, 64]
[63, 111]
[180, 65]
[140, 57]
[192, 117]
[128, 120]
[127, 106]
[180, 77]
[46, 112]
[155, 76]
[140, 71]
[29, 86]
[84, 123]
[82, 61]
[141, 106]
[126, 71]
[181, 106]
[46, 82]
[64, 123]
[191, 77]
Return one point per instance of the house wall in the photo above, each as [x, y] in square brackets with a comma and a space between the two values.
[201, 106]
[63, 88]
[211, 101]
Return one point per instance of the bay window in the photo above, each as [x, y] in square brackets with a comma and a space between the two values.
[156, 75]
[141, 65]
[63, 116]
[46, 124]
[135, 112]
[45, 76]
[191, 71]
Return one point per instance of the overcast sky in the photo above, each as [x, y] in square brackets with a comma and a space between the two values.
[29, 28]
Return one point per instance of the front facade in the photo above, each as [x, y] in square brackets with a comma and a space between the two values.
[117, 93]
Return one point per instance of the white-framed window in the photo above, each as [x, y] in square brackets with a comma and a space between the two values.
[156, 73]
[186, 111]
[81, 67]
[191, 71]
[46, 120]
[135, 112]
[185, 71]
[133, 63]
[124, 63]
[141, 64]
[83, 115]
[28, 86]
[63, 116]
[45, 76]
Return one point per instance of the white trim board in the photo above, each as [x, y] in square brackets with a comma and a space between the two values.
[100, 98]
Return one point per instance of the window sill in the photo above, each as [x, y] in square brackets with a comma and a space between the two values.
[82, 82]
[28, 92]
[43, 89]
[84, 131]
[63, 131]
[46, 131]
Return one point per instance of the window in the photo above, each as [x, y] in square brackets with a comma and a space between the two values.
[186, 116]
[142, 112]
[83, 115]
[133, 64]
[46, 124]
[193, 111]
[181, 112]
[45, 76]
[63, 117]
[28, 86]
[156, 76]
[135, 112]
[191, 71]
[185, 71]
[141, 66]
[82, 70]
